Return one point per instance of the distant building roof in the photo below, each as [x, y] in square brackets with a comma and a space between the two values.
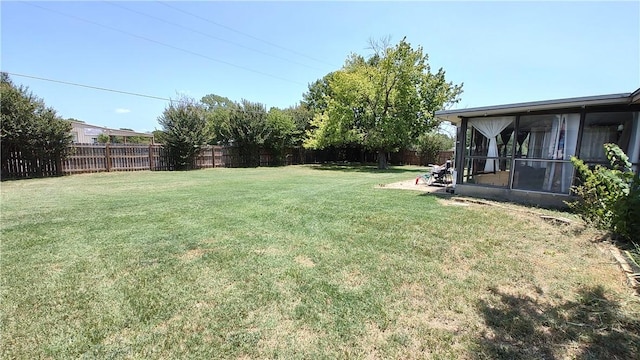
[109, 131]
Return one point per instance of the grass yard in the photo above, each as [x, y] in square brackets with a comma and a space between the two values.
[296, 262]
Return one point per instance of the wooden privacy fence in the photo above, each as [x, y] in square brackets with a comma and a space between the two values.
[19, 165]
[127, 157]
[443, 156]
[87, 158]
[412, 157]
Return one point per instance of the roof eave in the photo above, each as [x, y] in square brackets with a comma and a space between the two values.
[455, 116]
[127, 133]
[635, 97]
[113, 132]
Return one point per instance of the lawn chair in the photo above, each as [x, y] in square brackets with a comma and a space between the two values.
[441, 174]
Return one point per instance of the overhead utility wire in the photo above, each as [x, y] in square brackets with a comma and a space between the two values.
[88, 86]
[243, 33]
[106, 89]
[163, 44]
[207, 35]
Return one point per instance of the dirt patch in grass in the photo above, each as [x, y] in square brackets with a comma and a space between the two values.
[288, 333]
[270, 251]
[411, 185]
[353, 279]
[305, 261]
[424, 311]
[56, 268]
[192, 254]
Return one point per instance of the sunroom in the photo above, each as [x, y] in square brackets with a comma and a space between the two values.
[521, 152]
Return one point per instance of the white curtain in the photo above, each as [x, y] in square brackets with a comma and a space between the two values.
[561, 145]
[571, 139]
[490, 128]
[573, 124]
[592, 140]
[551, 139]
[534, 148]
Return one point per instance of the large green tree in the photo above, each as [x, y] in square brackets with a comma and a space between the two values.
[247, 130]
[184, 125]
[281, 130]
[302, 116]
[30, 127]
[383, 102]
[219, 110]
[430, 144]
[249, 127]
[315, 99]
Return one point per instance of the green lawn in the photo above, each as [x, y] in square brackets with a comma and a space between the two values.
[296, 262]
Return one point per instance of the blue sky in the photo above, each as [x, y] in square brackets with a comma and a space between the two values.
[268, 52]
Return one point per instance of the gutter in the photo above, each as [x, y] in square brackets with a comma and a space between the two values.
[454, 116]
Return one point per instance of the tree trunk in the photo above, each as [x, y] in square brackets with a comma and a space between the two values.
[382, 160]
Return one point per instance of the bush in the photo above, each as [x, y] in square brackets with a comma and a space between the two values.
[281, 128]
[430, 144]
[184, 125]
[103, 138]
[609, 197]
[247, 130]
[30, 128]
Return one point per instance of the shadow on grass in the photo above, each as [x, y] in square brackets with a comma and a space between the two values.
[592, 327]
[438, 191]
[366, 168]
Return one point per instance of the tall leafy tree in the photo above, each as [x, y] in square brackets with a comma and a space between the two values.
[383, 102]
[315, 99]
[248, 130]
[249, 127]
[430, 144]
[159, 136]
[30, 127]
[184, 125]
[219, 110]
[302, 116]
[281, 129]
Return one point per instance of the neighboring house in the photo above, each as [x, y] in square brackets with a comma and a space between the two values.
[521, 152]
[88, 134]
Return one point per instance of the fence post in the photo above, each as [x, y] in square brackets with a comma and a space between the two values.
[151, 157]
[107, 155]
[58, 164]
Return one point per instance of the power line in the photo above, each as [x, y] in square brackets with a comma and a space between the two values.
[208, 35]
[89, 86]
[243, 33]
[162, 44]
[107, 89]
